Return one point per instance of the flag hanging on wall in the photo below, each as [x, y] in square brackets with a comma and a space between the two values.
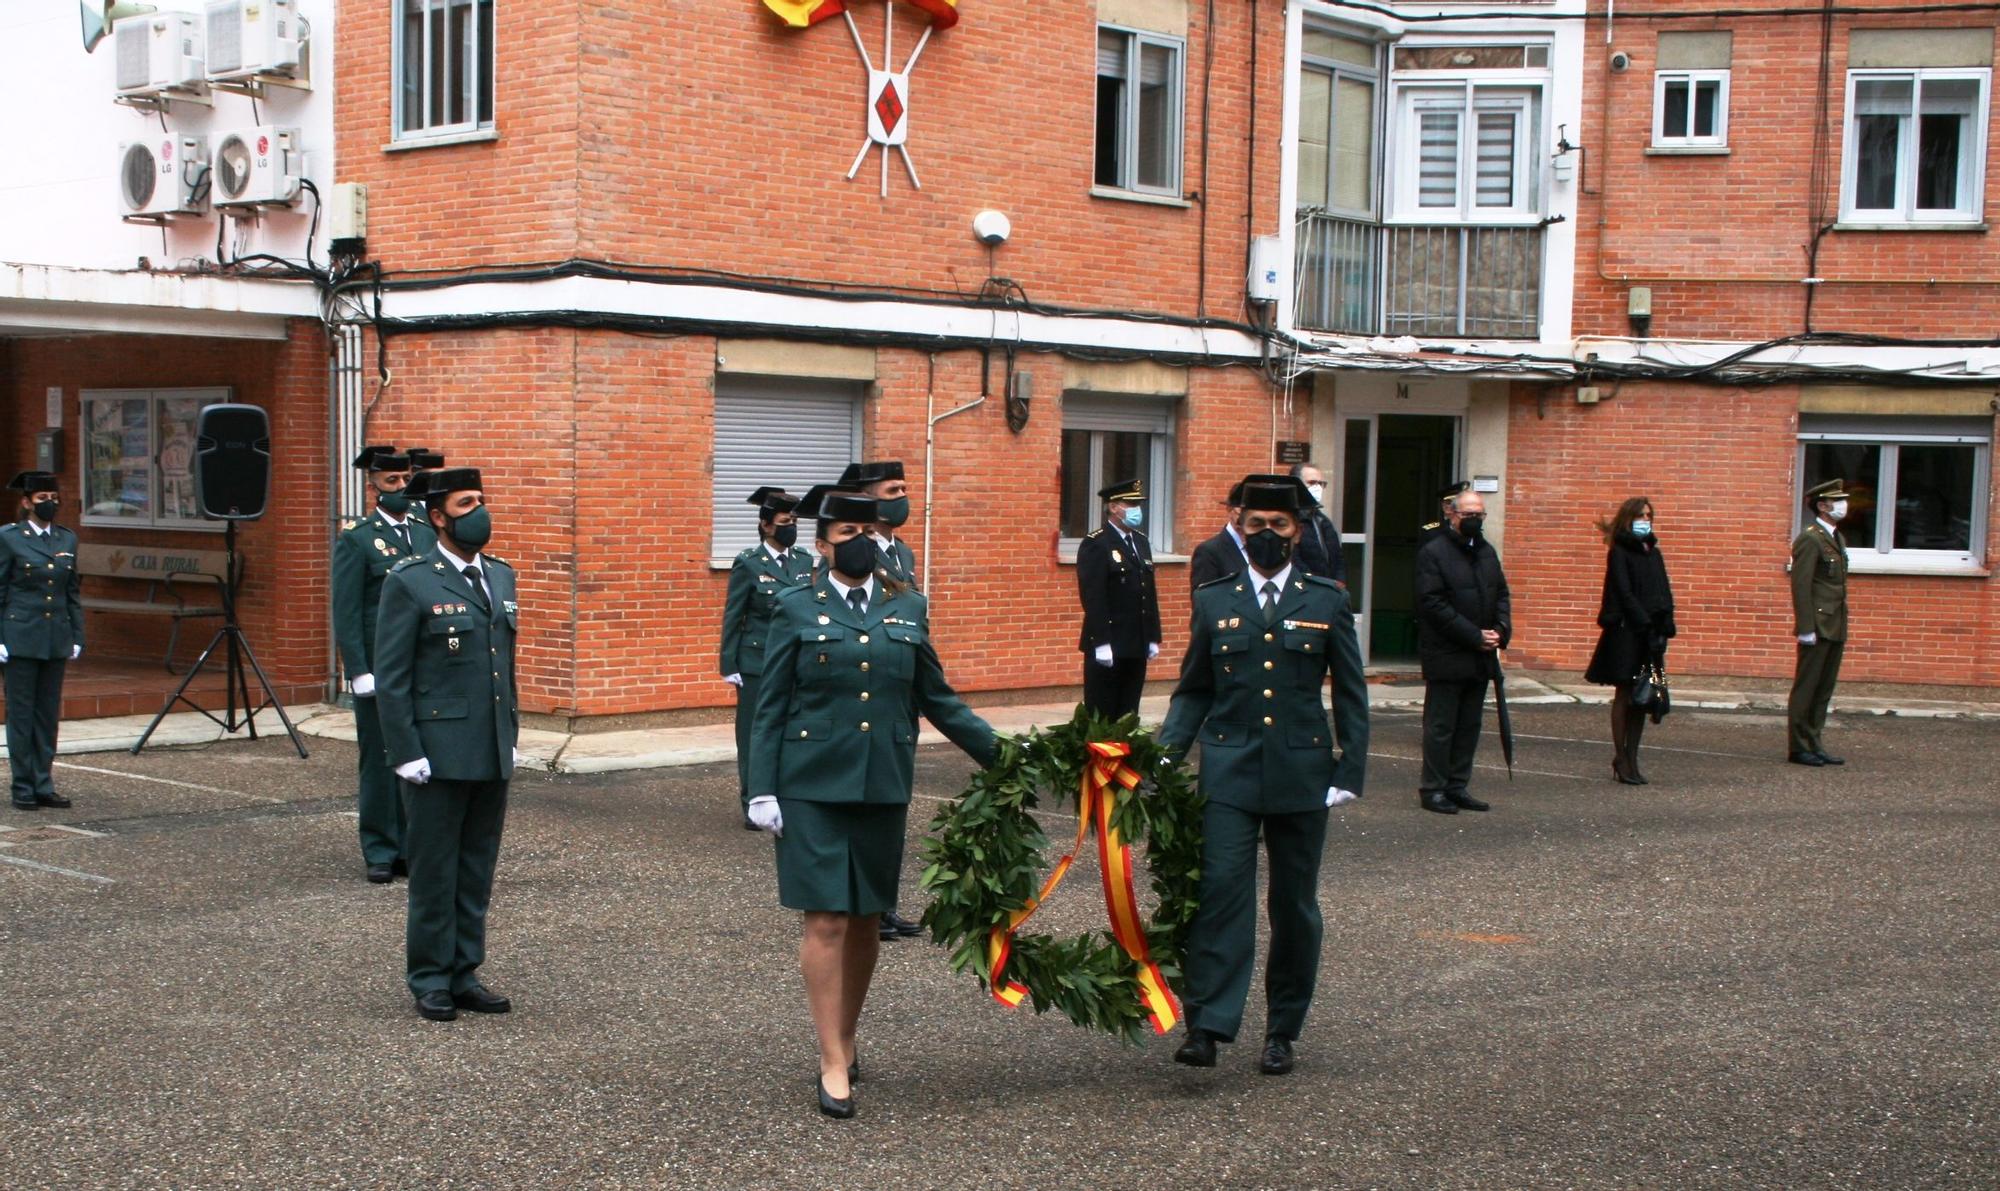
[800, 13]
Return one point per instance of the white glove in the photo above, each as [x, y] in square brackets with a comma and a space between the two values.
[75, 652]
[1808, 638]
[1152, 650]
[735, 680]
[416, 772]
[1335, 796]
[763, 811]
[517, 758]
[364, 686]
[3, 655]
[1103, 655]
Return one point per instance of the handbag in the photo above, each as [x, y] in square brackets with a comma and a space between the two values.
[1663, 700]
[1643, 686]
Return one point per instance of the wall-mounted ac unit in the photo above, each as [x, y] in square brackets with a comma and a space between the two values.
[252, 38]
[257, 166]
[164, 176]
[158, 52]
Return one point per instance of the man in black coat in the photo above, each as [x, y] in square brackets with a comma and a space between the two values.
[1121, 607]
[1222, 554]
[1319, 540]
[1463, 620]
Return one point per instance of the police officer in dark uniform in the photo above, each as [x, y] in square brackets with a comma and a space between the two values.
[759, 575]
[1121, 608]
[1446, 495]
[41, 633]
[882, 481]
[444, 683]
[362, 557]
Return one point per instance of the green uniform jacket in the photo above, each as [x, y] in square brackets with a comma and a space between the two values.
[900, 561]
[837, 716]
[444, 669]
[362, 556]
[754, 585]
[1819, 584]
[1250, 695]
[41, 593]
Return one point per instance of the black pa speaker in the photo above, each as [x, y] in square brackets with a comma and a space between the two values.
[232, 462]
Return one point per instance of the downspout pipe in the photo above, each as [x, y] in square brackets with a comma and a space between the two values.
[932, 419]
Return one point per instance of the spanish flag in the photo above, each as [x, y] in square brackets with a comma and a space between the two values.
[800, 13]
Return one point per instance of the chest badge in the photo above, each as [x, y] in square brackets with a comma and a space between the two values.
[1118, 558]
[824, 619]
[451, 643]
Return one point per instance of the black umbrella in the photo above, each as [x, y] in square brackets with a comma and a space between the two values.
[1506, 720]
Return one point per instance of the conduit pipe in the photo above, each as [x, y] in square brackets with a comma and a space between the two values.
[930, 454]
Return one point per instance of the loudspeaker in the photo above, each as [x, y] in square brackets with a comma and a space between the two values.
[100, 15]
[232, 462]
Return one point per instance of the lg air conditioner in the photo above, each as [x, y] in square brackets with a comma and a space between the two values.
[257, 167]
[158, 52]
[252, 38]
[167, 175]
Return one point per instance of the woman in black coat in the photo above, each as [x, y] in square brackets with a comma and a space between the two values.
[1637, 616]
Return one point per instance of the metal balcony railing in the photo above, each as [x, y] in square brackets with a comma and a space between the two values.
[1360, 277]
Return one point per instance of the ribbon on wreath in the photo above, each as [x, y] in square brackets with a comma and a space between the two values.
[1105, 769]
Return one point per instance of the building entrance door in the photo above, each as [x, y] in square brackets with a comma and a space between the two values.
[1392, 468]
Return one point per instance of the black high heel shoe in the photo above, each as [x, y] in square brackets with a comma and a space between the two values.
[854, 1070]
[839, 1110]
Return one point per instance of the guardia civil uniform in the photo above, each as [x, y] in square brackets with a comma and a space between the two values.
[1249, 694]
[756, 579]
[1819, 607]
[41, 626]
[893, 553]
[362, 557]
[445, 688]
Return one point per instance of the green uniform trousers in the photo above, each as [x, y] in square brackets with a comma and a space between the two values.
[1812, 689]
[379, 801]
[746, 711]
[451, 843]
[34, 708]
[1223, 938]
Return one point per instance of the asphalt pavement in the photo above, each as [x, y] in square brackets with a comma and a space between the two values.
[1747, 974]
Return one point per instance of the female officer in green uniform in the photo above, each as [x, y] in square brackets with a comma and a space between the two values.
[833, 746]
[41, 633]
[759, 576]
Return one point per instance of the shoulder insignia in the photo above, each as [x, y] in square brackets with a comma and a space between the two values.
[403, 563]
[496, 561]
[1229, 578]
[347, 523]
[1093, 533]
[1323, 581]
[1431, 526]
[747, 555]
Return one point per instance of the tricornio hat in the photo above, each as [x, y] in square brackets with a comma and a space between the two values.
[1830, 490]
[366, 459]
[1276, 494]
[875, 471]
[382, 459]
[33, 481]
[450, 480]
[1130, 491]
[424, 458]
[828, 502]
[772, 501]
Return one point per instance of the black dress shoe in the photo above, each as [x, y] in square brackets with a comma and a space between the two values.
[1277, 1058]
[839, 1110]
[26, 806]
[902, 925]
[477, 998]
[381, 874]
[62, 804]
[1824, 759]
[1811, 759]
[1198, 1050]
[436, 1006]
[1436, 801]
[1467, 802]
[854, 1070]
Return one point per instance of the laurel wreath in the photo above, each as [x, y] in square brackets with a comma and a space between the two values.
[986, 855]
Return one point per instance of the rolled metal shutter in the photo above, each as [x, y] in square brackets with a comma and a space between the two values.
[782, 431]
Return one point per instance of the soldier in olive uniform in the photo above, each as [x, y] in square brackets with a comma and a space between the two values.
[1819, 621]
[833, 748]
[362, 557]
[758, 577]
[882, 481]
[444, 683]
[1263, 643]
[41, 633]
[1121, 606]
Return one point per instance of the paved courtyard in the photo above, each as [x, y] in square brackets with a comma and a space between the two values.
[1747, 974]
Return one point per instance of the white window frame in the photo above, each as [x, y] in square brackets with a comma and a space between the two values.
[1883, 556]
[1335, 70]
[1662, 79]
[484, 58]
[1972, 164]
[1128, 116]
[154, 448]
[1409, 90]
[1157, 417]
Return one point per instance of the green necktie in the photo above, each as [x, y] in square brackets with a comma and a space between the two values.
[1270, 591]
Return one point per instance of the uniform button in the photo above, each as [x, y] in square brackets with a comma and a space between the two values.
[1267, 721]
[864, 665]
[822, 636]
[864, 638]
[864, 725]
[1268, 665]
[1267, 636]
[802, 734]
[1267, 692]
[864, 696]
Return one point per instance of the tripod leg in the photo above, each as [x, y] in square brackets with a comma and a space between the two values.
[239, 683]
[180, 692]
[271, 695]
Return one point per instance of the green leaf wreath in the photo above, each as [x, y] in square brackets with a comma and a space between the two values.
[986, 857]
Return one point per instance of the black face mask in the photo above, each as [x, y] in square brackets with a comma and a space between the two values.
[45, 510]
[855, 557]
[1471, 527]
[1268, 549]
[784, 537]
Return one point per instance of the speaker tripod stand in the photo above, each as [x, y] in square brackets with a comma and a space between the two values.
[236, 651]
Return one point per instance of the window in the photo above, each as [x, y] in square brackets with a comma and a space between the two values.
[769, 430]
[1916, 146]
[1917, 488]
[1106, 440]
[1139, 126]
[1337, 88]
[444, 67]
[1690, 109]
[1467, 152]
[138, 447]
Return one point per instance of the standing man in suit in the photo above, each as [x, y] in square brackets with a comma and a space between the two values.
[1263, 644]
[756, 580]
[1319, 540]
[882, 481]
[1121, 607]
[444, 681]
[1221, 555]
[1819, 621]
[362, 558]
[41, 633]
[1464, 618]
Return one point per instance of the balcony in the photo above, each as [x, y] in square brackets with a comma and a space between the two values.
[1358, 277]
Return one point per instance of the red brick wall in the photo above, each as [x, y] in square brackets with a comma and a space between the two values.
[1722, 240]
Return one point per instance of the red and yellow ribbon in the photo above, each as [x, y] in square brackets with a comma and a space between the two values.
[1106, 767]
[801, 13]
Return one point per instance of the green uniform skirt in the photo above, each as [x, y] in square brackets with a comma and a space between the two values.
[840, 857]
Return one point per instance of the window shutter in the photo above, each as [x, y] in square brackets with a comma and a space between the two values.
[1495, 166]
[1111, 47]
[1140, 415]
[792, 433]
[1437, 159]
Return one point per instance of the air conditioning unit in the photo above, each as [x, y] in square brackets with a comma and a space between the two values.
[158, 52]
[249, 38]
[257, 166]
[164, 176]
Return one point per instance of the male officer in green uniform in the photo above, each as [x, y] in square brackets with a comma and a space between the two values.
[1121, 605]
[1819, 621]
[756, 580]
[881, 480]
[444, 684]
[41, 633]
[1263, 643]
[362, 556]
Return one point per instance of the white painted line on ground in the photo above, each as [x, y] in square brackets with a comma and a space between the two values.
[62, 872]
[1574, 777]
[167, 781]
[85, 832]
[1663, 748]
